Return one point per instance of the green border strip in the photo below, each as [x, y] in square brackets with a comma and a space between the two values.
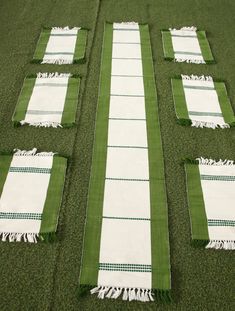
[180, 104]
[224, 102]
[71, 102]
[91, 247]
[41, 45]
[205, 47]
[54, 196]
[23, 100]
[199, 227]
[167, 45]
[161, 276]
[5, 162]
[80, 48]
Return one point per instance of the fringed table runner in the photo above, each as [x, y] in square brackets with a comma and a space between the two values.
[31, 187]
[61, 46]
[211, 198]
[48, 99]
[201, 102]
[126, 247]
[186, 45]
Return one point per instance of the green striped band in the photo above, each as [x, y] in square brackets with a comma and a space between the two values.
[42, 44]
[167, 45]
[184, 36]
[188, 53]
[125, 218]
[204, 46]
[217, 177]
[43, 112]
[127, 119]
[125, 267]
[202, 88]
[36, 170]
[179, 99]
[221, 222]
[134, 147]
[51, 84]
[30, 216]
[212, 114]
[126, 179]
[80, 48]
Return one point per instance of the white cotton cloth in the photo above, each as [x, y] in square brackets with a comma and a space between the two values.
[46, 104]
[126, 227]
[61, 45]
[219, 198]
[25, 192]
[201, 101]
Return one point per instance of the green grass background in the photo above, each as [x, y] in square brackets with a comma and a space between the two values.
[45, 276]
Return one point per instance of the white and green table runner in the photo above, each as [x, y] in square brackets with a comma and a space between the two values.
[211, 197]
[48, 99]
[58, 45]
[186, 45]
[202, 102]
[126, 247]
[31, 188]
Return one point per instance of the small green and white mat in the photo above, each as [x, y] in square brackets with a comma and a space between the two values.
[211, 197]
[31, 188]
[49, 100]
[186, 45]
[58, 45]
[201, 102]
[126, 246]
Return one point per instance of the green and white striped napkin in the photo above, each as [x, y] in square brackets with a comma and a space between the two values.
[48, 99]
[211, 197]
[186, 45]
[58, 45]
[201, 101]
[31, 188]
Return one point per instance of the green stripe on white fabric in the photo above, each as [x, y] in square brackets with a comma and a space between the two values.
[125, 267]
[217, 177]
[126, 218]
[33, 216]
[198, 113]
[34, 170]
[221, 222]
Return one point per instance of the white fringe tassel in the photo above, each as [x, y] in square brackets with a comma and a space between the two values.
[200, 78]
[227, 245]
[59, 61]
[53, 75]
[18, 237]
[42, 124]
[65, 28]
[192, 28]
[209, 124]
[205, 161]
[32, 152]
[139, 294]
[193, 61]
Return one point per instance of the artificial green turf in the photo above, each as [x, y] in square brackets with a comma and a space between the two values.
[45, 276]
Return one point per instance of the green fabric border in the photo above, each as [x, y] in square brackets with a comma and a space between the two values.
[91, 248]
[5, 162]
[80, 48]
[205, 47]
[161, 278]
[71, 102]
[199, 228]
[54, 195]
[224, 102]
[180, 104]
[167, 45]
[41, 45]
[23, 100]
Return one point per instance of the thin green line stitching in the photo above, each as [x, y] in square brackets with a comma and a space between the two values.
[213, 114]
[221, 222]
[202, 88]
[37, 170]
[127, 119]
[217, 177]
[133, 147]
[187, 53]
[125, 218]
[32, 216]
[125, 267]
[126, 179]
[41, 112]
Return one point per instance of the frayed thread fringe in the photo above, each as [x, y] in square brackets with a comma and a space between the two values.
[209, 124]
[227, 245]
[59, 61]
[192, 28]
[32, 152]
[193, 61]
[200, 78]
[53, 75]
[139, 294]
[65, 28]
[42, 124]
[27, 237]
[205, 161]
